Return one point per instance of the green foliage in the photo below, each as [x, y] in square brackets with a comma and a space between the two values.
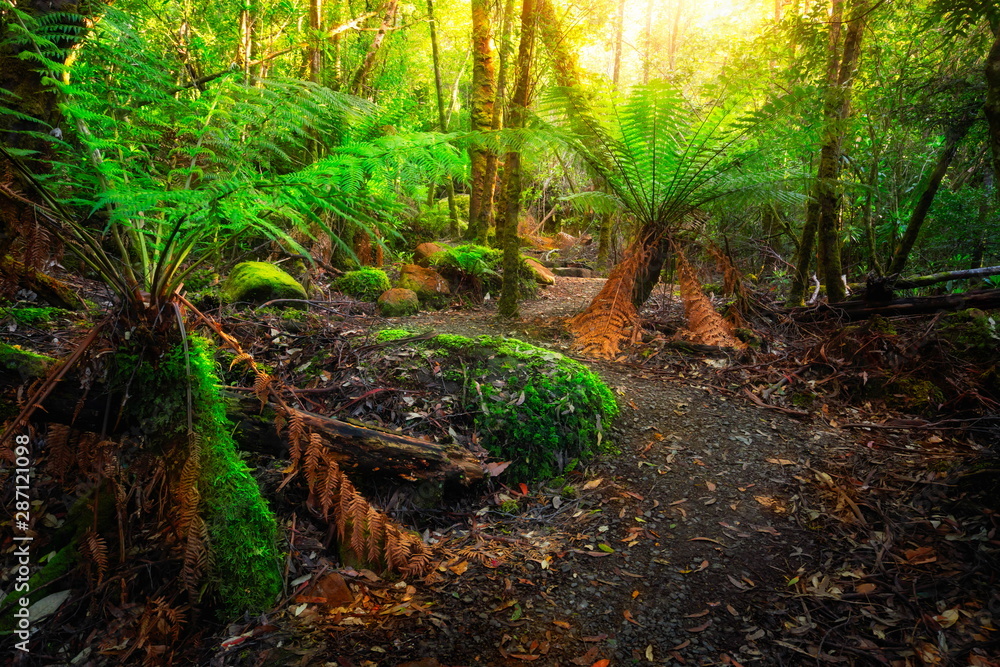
[480, 267]
[662, 160]
[366, 284]
[530, 405]
[173, 177]
[242, 530]
[31, 315]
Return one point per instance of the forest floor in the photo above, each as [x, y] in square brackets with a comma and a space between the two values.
[718, 532]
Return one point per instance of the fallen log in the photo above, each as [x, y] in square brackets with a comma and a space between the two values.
[922, 305]
[359, 448]
[877, 286]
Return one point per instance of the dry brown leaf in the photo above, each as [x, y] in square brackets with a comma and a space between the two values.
[586, 659]
[781, 462]
[562, 624]
[700, 627]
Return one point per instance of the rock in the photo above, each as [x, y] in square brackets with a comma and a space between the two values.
[542, 275]
[423, 252]
[427, 283]
[573, 272]
[398, 302]
[563, 241]
[258, 282]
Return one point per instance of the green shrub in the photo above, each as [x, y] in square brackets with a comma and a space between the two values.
[479, 268]
[365, 284]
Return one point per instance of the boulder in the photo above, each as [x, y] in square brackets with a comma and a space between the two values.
[542, 275]
[258, 282]
[427, 283]
[563, 241]
[398, 302]
[573, 272]
[423, 252]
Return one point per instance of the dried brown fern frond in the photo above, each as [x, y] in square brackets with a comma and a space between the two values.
[195, 558]
[62, 456]
[296, 429]
[732, 277]
[186, 490]
[601, 329]
[706, 325]
[94, 550]
[314, 454]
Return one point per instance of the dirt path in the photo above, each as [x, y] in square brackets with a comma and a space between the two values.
[671, 550]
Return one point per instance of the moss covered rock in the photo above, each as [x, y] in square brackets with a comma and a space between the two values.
[398, 302]
[535, 407]
[24, 362]
[428, 284]
[364, 284]
[542, 275]
[422, 253]
[258, 282]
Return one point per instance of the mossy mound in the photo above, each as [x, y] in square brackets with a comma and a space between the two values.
[533, 406]
[973, 334]
[365, 284]
[258, 282]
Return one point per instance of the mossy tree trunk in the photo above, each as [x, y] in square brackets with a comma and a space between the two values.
[512, 164]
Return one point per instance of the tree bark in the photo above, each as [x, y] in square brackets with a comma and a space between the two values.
[512, 164]
[836, 108]
[953, 137]
[992, 106]
[439, 94]
[481, 116]
[492, 159]
[361, 77]
[804, 255]
[315, 52]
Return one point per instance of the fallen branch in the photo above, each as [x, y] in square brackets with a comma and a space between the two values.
[358, 447]
[860, 310]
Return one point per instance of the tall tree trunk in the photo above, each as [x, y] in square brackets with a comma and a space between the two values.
[675, 33]
[953, 137]
[619, 35]
[442, 123]
[836, 109]
[992, 106]
[492, 159]
[804, 255]
[647, 59]
[481, 112]
[361, 76]
[315, 53]
[512, 165]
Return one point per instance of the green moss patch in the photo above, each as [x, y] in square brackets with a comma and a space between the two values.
[242, 530]
[257, 282]
[365, 284]
[32, 315]
[533, 406]
[25, 362]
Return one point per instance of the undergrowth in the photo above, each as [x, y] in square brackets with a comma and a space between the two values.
[365, 284]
